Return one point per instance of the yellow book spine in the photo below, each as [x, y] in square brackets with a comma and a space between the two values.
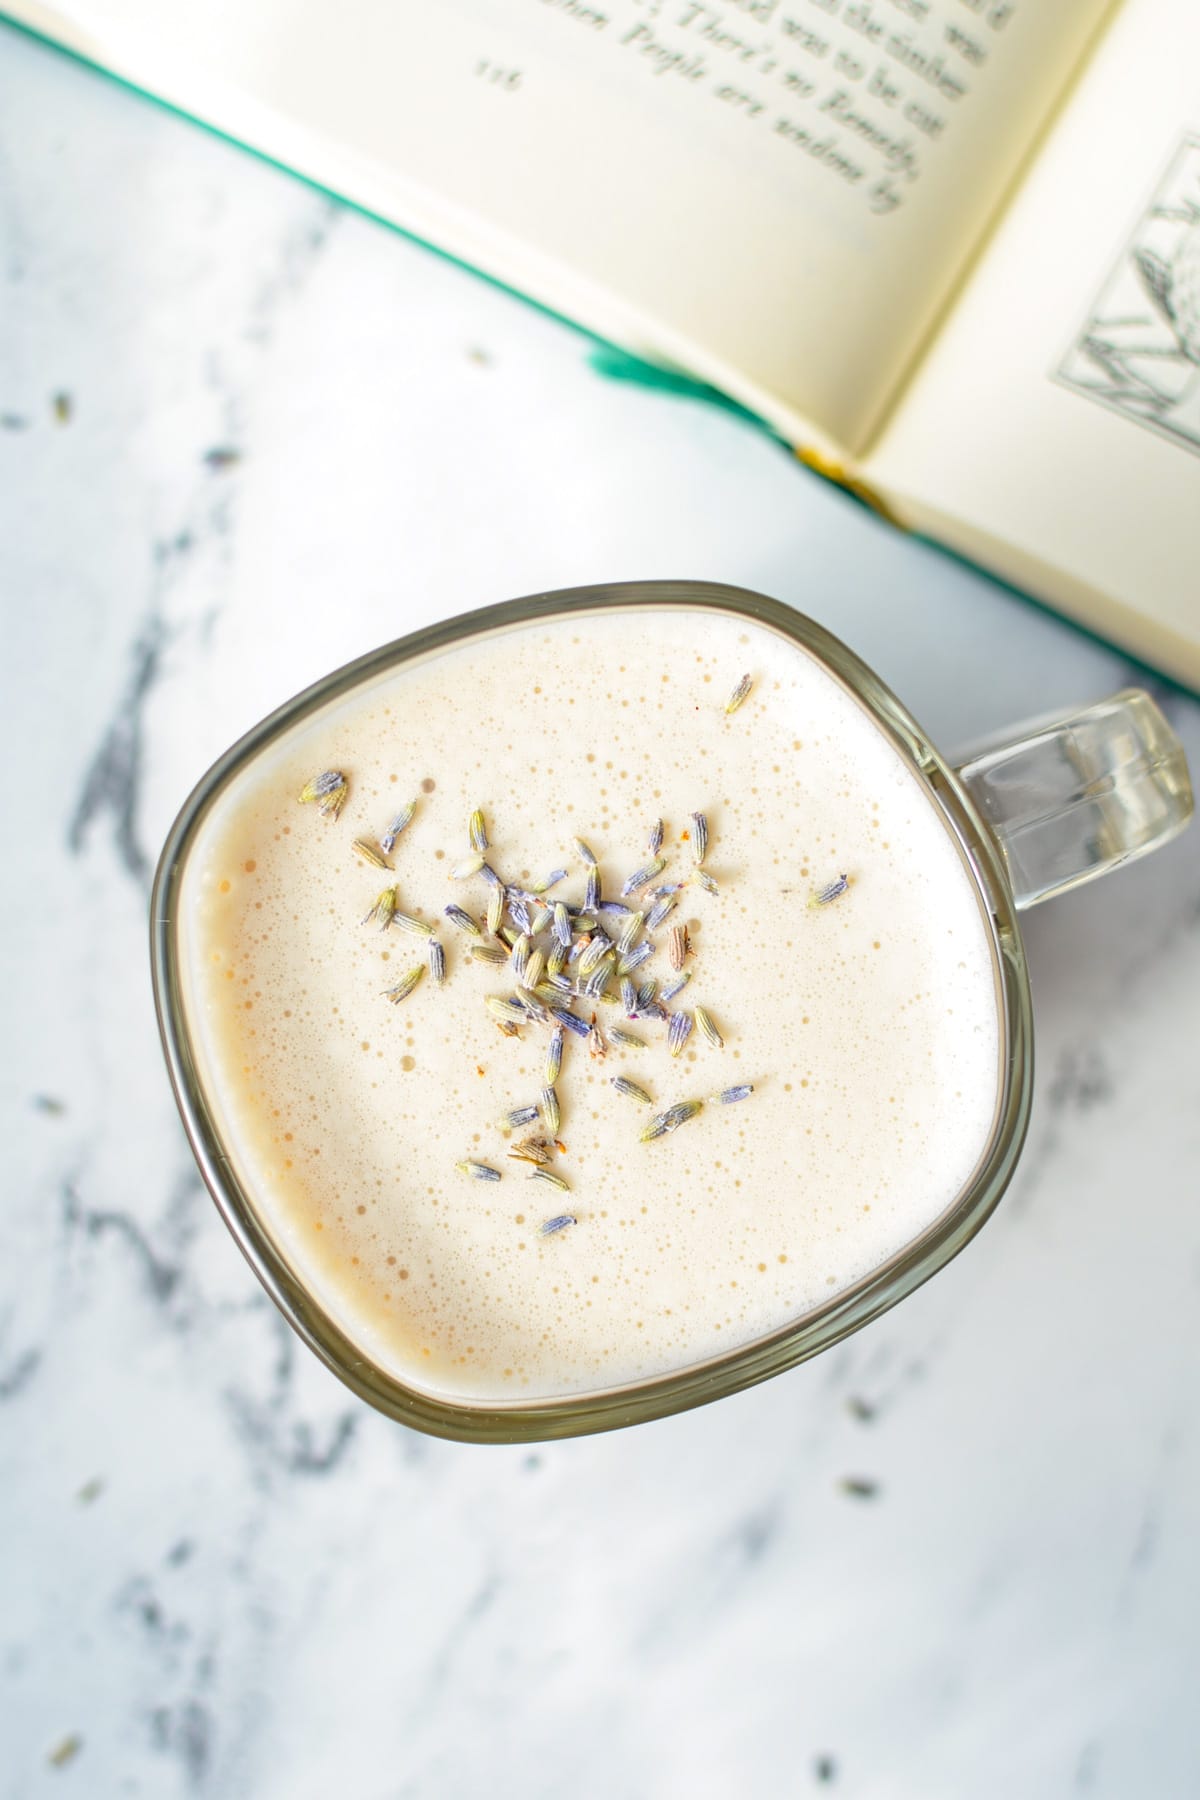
[832, 470]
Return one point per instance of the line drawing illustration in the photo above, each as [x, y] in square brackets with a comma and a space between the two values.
[1138, 351]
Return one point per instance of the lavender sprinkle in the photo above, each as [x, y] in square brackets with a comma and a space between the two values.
[463, 920]
[561, 1222]
[533, 1149]
[642, 877]
[327, 791]
[678, 946]
[405, 985]
[594, 953]
[708, 1029]
[532, 974]
[401, 822]
[739, 694]
[464, 870]
[550, 1110]
[551, 880]
[501, 1007]
[629, 931]
[678, 1032]
[477, 1171]
[596, 983]
[832, 891]
[413, 927]
[383, 911]
[675, 1116]
[659, 911]
[437, 961]
[730, 1095]
[369, 853]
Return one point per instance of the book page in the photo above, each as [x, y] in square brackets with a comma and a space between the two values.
[776, 194]
[1054, 429]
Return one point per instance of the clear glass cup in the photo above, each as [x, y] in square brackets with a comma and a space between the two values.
[1050, 805]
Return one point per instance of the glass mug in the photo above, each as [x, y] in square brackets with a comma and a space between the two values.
[1053, 805]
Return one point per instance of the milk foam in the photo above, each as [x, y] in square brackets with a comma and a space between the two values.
[868, 1028]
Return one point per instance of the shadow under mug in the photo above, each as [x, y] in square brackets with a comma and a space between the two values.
[1052, 804]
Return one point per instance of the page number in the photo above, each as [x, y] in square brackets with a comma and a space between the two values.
[497, 76]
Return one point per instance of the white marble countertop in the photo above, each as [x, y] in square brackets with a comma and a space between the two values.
[247, 434]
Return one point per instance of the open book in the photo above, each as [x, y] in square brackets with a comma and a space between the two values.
[949, 248]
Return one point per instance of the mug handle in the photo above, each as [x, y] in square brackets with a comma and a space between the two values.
[1069, 798]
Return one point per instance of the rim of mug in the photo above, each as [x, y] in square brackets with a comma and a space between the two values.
[526, 1421]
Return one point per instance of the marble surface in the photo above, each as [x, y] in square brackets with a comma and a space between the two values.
[247, 434]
